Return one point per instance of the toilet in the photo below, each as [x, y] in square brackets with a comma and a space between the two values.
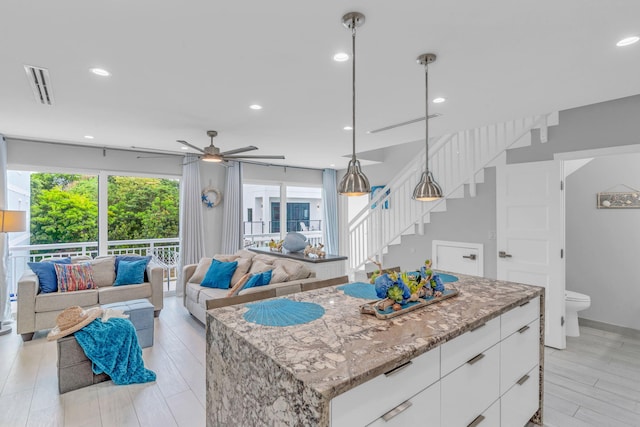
[575, 302]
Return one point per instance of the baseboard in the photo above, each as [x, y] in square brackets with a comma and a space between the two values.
[630, 332]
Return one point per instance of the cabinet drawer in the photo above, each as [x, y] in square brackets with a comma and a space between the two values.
[422, 409]
[518, 354]
[457, 351]
[516, 318]
[369, 401]
[489, 418]
[520, 403]
[469, 390]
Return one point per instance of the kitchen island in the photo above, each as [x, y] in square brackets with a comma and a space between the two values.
[477, 356]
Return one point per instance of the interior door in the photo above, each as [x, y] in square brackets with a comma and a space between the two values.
[458, 257]
[530, 232]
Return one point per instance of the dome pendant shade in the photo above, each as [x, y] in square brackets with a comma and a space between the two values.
[354, 182]
[427, 189]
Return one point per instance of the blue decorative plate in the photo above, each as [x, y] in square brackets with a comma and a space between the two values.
[282, 312]
[359, 290]
[447, 278]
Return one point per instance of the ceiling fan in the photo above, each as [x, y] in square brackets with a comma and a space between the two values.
[213, 154]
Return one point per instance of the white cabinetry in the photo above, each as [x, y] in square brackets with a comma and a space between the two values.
[486, 377]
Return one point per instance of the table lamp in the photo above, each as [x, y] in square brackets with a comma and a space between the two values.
[10, 221]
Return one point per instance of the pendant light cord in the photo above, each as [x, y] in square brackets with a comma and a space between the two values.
[426, 118]
[353, 89]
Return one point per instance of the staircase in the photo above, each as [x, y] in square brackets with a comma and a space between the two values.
[455, 159]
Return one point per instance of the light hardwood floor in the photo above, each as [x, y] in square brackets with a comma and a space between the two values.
[594, 382]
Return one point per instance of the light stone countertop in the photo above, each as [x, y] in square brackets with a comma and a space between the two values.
[314, 362]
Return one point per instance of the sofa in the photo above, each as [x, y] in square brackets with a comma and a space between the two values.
[288, 276]
[38, 310]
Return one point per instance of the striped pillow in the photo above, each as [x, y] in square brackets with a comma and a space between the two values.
[74, 277]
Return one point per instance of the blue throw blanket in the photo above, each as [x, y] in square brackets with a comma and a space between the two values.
[113, 349]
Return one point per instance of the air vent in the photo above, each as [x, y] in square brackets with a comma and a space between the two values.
[397, 125]
[40, 84]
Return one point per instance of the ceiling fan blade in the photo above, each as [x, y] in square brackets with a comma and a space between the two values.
[397, 125]
[252, 157]
[190, 145]
[239, 150]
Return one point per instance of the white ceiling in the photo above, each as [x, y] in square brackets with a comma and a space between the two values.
[182, 67]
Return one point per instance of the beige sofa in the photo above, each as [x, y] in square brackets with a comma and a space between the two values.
[288, 276]
[38, 311]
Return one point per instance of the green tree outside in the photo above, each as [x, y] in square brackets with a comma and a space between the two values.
[64, 208]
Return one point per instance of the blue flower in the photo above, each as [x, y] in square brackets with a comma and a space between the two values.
[382, 285]
[436, 283]
[406, 292]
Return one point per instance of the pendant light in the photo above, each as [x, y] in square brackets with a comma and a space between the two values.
[354, 182]
[427, 189]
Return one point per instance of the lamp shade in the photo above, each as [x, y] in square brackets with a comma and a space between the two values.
[354, 182]
[427, 189]
[13, 221]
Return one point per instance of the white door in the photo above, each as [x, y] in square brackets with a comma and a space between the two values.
[458, 257]
[530, 234]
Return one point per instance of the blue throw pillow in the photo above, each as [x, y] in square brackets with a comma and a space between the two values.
[46, 273]
[219, 274]
[131, 258]
[258, 279]
[131, 272]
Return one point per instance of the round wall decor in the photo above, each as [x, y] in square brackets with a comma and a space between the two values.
[211, 197]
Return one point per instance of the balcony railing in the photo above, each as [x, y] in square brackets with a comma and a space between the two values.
[263, 227]
[165, 252]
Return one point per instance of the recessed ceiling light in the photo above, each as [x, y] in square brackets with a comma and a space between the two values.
[100, 72]
[88, 136]
[627, 41]
[255, 107]
[438, 100]
[332, 164]
[185, 148]
[341, 57]
[347, 128]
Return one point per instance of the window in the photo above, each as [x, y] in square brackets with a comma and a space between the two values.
[265, 219]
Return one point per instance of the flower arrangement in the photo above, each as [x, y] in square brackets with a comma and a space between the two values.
[399, 289]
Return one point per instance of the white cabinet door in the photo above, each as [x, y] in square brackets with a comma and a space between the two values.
[422, 409]
[519, 404]
[367, 402]
[469, 390]
[518, 354]
[530, 233]
[458, 257]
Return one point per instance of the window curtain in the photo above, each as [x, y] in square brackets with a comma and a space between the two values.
[191, 221]
[330, 198]
[232, 212]
[5, 304]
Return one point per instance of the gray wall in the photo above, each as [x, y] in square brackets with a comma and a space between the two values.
[603, 245]
[469, 220]
[466, 220]
[607, 124]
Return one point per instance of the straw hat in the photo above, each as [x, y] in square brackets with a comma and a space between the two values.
[73, 319]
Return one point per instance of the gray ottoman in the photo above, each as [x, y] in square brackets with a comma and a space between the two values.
[74, 369]
[140, 313]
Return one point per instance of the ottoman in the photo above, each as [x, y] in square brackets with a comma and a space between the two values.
[74, 369]
[140, 313]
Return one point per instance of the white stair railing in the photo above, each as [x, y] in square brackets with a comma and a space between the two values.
[455, 159]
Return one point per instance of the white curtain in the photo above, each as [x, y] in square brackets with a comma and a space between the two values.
[191, 222]
[5, 305]
[232, 213]
[330, 199]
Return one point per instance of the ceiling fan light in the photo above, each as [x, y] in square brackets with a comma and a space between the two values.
[211, 158]
[427, 189]
[354, 182]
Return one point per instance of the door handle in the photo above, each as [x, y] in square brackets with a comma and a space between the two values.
[471, 257]
[476, 421]
[503, 254]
